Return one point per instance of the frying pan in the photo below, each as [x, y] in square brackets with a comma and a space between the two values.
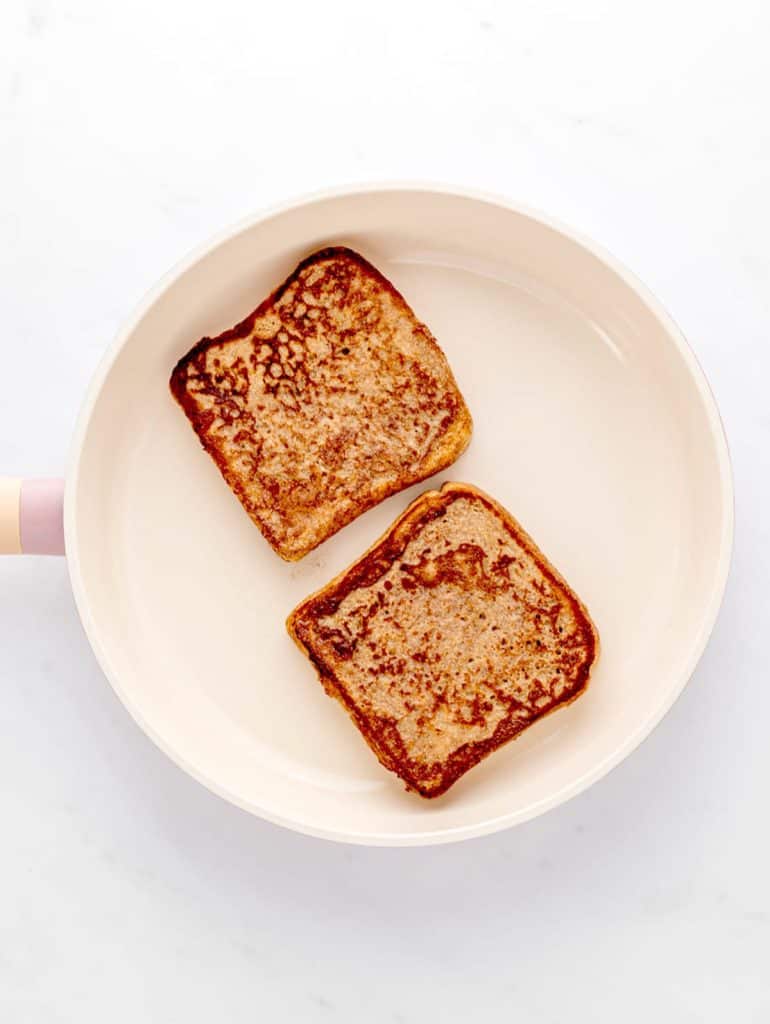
[594, 425]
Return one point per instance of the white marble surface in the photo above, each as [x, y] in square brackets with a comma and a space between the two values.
[128, 133]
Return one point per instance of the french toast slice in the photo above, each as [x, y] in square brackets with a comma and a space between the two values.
[326, 399]
[448, 638]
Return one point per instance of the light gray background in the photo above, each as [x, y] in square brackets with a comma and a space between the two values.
[128, 133]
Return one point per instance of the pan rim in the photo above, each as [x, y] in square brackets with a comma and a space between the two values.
[722, 557]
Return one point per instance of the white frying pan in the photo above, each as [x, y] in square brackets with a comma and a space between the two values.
[593, 424]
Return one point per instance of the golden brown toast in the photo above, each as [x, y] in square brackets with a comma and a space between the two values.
[449, 637]
[328, 398]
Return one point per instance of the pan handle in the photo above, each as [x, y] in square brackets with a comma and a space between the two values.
[31, 517]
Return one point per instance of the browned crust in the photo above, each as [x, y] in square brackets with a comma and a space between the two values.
[382, 736]
[451, 446]
[246, 326]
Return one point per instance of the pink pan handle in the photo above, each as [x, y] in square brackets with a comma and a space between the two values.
[31, 517]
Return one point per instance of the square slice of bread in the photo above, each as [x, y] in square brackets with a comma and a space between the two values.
[328, 398]
[448, 638]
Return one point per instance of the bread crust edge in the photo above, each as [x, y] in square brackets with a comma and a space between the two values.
[468, 755]
[450, 447]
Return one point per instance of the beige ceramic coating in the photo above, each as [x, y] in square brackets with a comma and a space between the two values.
[593, 425]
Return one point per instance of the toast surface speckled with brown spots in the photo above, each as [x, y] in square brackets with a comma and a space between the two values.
[448, 638]
[328, 398]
